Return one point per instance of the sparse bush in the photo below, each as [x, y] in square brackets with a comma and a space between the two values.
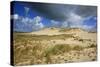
[94, 59]
[54, 41]
[62, 30]
[92, 45]
[81, 40]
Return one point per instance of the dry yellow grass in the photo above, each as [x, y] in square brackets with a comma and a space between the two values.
[46, 49]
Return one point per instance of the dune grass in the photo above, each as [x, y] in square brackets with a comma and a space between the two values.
[78, 48]
[36, 53]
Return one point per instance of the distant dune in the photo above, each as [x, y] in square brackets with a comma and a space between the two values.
[58, 31]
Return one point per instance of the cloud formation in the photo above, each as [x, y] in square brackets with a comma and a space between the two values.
[37, 23]
[55, 23]
[26, 24]
[43, 15]
[59, 11]
[76, 21]
[15, 16]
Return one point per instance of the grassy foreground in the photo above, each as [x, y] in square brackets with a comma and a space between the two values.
[43, 49]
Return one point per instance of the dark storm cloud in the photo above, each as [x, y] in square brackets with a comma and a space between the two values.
[61, 11]
[51, 11]
[86, 11]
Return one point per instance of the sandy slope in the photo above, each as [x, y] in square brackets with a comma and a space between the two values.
[87, 37]
[77, 32]
[47, 31]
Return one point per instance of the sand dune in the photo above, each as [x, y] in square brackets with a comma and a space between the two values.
[56, 31]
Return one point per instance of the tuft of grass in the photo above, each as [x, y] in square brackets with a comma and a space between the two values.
[78, 48]
[81, 40]
[58, 49]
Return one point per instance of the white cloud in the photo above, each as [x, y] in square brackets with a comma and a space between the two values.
[75, 19]
[37, 23]
[55, 23]
[37, 19]
[64, 24]
[38, 26]
[26, 22]
[87, 27]
[15, 16]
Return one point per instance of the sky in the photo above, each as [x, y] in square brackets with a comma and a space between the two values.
[34, 16]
